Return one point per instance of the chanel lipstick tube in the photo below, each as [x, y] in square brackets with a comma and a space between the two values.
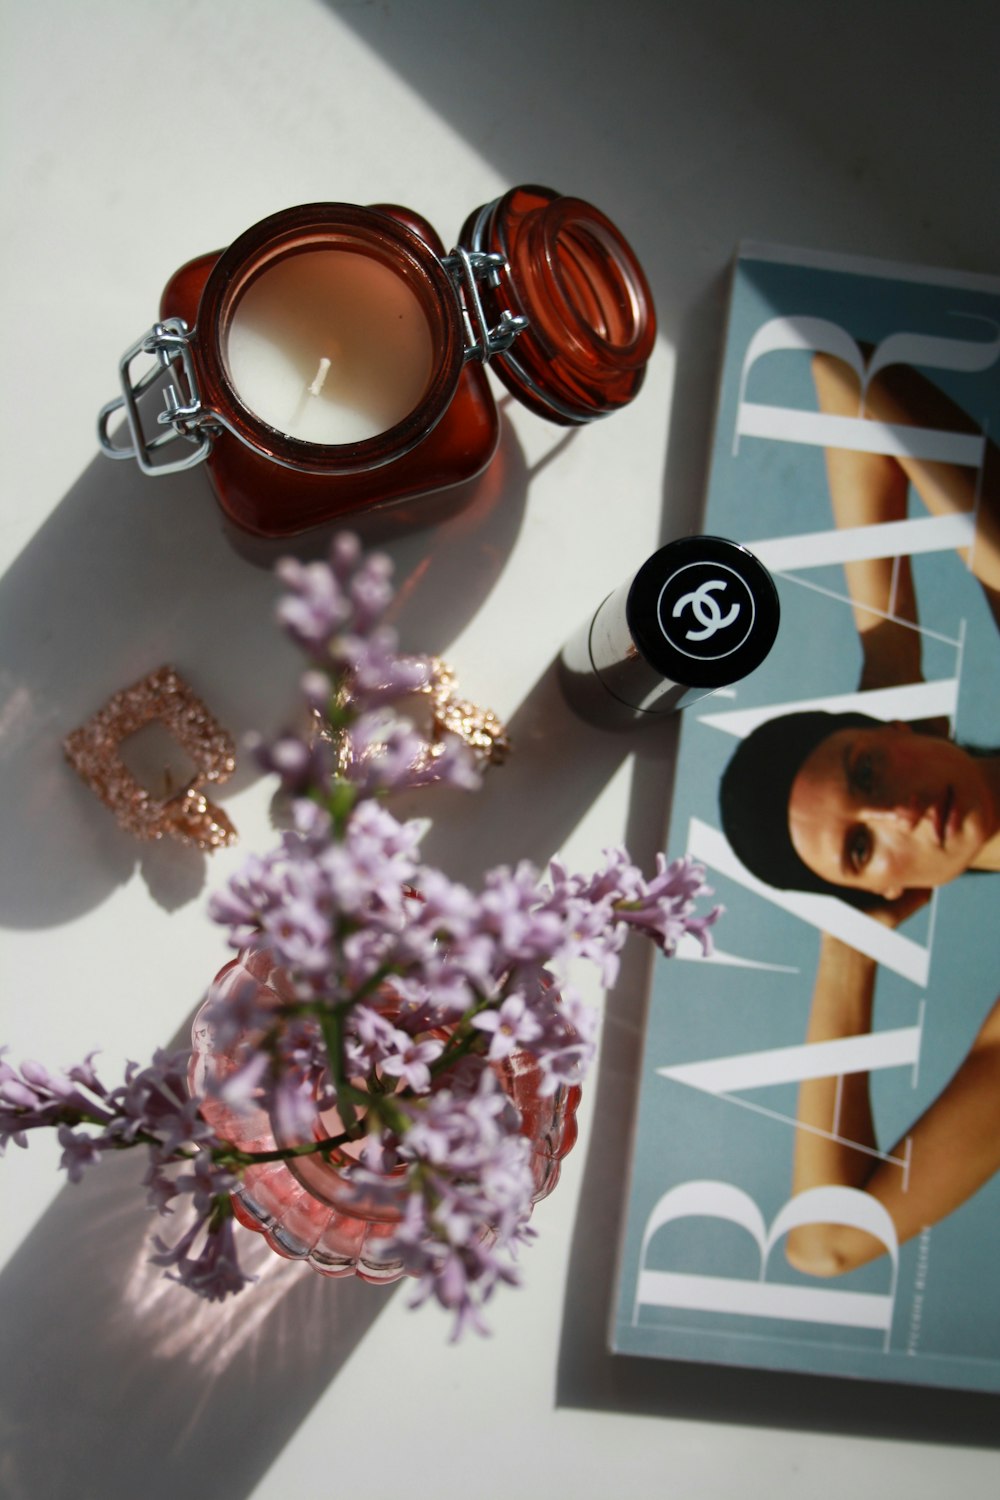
[701, 613]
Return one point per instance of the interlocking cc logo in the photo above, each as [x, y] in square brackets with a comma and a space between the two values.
[706, 609]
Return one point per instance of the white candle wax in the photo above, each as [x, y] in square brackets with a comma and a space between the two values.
[329, 346]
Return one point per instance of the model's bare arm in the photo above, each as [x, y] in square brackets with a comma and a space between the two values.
[868, 489]
[835, 1134]
[946, 1157]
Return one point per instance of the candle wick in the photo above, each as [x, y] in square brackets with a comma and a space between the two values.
[321, 374]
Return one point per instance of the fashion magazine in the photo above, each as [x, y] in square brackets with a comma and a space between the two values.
[815, 1182]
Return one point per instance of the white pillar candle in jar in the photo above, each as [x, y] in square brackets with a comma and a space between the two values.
[329, 346]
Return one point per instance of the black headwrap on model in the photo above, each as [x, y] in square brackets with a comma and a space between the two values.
[753, 800]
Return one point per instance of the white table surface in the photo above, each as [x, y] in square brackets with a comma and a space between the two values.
[136, 134]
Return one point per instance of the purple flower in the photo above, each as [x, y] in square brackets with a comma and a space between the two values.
[369, 1038]
[457, 1131]
[79, 1151]
[385, 754]
[160, 1188]
[470, 1199]
[298, 929]
[332, 609]
[299, 763]
[663, 907]
[34, 1098]
[293, 1104]
[153, 1105]
[563, 1066]
[368, 580]
[207, 1181]
[241, 905]
[241, 1089]
[315, 606]
[313, 828]
[385, 848]
[450, 761]
[512, 914]
[409, 1061]
[215, 1272]
[511, 1025]
[454, 1279]
[83, 1073]
[378, 674]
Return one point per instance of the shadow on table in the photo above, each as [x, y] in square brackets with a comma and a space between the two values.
[130, 573]
[557, 769]
[154, 1391]
[116, 1382]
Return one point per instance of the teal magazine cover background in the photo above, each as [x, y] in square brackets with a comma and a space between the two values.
[703, 1273]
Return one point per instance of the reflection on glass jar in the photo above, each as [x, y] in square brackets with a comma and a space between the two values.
[304, 1207]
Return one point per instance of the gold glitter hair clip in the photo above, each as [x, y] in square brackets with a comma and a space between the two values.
[186, 815]
[479, 728]
[448, 714]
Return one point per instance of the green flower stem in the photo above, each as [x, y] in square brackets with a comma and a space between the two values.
[331, 1020]
[463, 1038]
[222, 1210]
[373, 983]
[284, 1153]
[389, 1112]
[339, 802]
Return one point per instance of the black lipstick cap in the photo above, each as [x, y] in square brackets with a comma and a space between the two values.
[700, 614]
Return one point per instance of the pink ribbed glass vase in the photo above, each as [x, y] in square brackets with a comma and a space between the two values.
[303, 1207]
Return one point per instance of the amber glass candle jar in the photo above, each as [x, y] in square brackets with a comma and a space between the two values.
[331, 359]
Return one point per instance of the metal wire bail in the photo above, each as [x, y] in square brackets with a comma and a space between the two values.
[466, 269]
[169, 345]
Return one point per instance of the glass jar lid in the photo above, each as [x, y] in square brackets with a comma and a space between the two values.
[572, 275]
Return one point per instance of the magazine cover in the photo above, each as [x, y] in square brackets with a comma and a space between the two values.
[815, 1182]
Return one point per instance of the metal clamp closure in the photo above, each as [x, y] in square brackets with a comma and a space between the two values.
[467, 269]
[169, 343]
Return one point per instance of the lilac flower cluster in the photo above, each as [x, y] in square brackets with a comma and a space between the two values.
[402, 995]
[470, 1196]
[153, 1109]
[335, 613]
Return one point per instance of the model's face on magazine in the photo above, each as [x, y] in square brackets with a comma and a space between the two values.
[887, 810]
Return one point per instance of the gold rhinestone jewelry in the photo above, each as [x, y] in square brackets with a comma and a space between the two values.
[448, 714]
[481, 730]
[186, 815]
